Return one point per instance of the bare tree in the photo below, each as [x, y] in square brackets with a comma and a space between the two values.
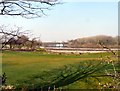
[17, 39]
[10, 36]
[11, 42]
[21, 41]
[26, 8]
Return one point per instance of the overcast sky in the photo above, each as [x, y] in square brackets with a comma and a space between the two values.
[71, 20]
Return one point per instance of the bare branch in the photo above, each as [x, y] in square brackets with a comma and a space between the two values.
[26, 8]
[7, 34]
[103, 46]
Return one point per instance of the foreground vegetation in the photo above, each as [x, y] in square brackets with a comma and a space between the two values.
[64, 71]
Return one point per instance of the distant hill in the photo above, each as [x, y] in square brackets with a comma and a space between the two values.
[95, 41]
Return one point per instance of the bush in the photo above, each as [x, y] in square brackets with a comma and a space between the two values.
[41, 49]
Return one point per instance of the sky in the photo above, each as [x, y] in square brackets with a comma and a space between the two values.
[71, 20]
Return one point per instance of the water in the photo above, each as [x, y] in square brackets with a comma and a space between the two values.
[80, 50]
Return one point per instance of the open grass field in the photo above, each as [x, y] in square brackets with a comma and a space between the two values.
[20, 67]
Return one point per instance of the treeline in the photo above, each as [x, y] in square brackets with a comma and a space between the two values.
[95, 42]
[13, 38]
[21, 42]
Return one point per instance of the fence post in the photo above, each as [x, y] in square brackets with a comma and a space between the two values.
[54, 87]
[41, 88]
[48, 88]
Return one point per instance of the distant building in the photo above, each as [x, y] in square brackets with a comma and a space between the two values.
[55, 44]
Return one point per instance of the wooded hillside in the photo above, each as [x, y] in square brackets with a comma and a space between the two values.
[95, 41]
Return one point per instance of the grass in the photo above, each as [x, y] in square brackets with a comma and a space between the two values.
[21, 66]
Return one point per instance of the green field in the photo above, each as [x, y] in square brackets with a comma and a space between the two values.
[26, 68]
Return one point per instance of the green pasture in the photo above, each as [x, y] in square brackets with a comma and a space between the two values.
[21, 67]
